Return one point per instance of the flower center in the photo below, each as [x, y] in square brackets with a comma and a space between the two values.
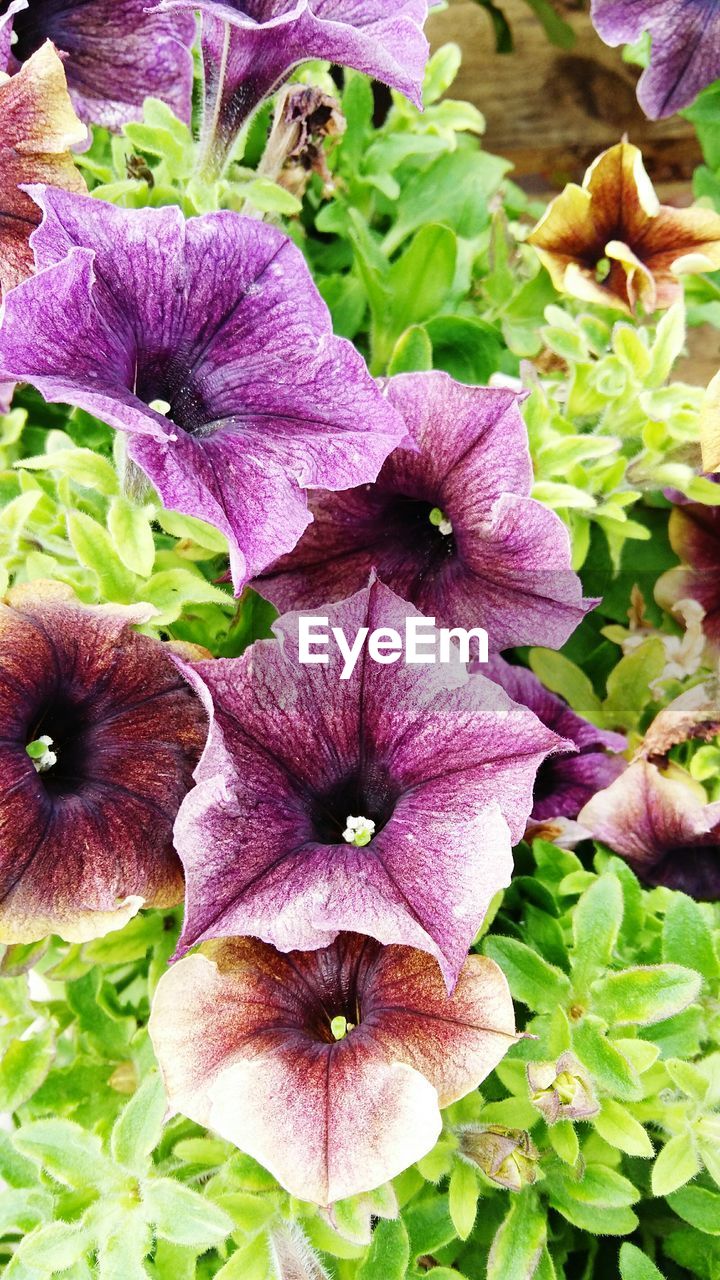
[440, 522]
[359, 831]
[340, 1027]
[370, 795]
[41, 753]
[29, 31]
[57, 745]
[424, 528]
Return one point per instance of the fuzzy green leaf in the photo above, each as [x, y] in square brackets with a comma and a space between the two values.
[389, 1253]
[676, 1164]
[519, 1241]
[183, 1216]
[687, 938]
[138, 1128]
[634, 1265]
[24, 1066]
[596, 924]
[541, 986]
[645, 994]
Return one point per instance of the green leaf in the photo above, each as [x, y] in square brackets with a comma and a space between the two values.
[455, 190]
[412, 351]
[519, 1241]
[562, 676]
[170, 590]
[139, 1126]
[388, 1255]
[676, 1164]
[23, 1209]
[600, 1186]
[463, 1197]
[596, 924]
[270, 197]
[469, 350]
[421, 280]
[618, 1127]
[608, 1067]
[699, 1207]
[122, 1253]
[23, 1067]
[628, 685]
[54, 1247]
[645, 994]
[93, 547]
[183, 1216]
[634, 1265]
[81, 465]
[687, 938]
[441, 70]
[539, 985]
[132, 535]
[564, 1141]
[67, 1152]
[205, 535]
[594, 1219]
[250, 1262]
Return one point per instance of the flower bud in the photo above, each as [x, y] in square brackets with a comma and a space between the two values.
[506, 1156]
[561, 1090]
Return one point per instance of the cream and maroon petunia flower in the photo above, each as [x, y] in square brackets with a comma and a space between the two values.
[99, 735]
[329, 1067]
[38, 126]
[610, 241]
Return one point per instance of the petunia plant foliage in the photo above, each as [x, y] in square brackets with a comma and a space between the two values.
[359, 629]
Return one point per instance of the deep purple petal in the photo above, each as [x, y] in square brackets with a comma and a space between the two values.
[117, 54]
[219, 318]
[442, 762]
[506, 564]
[250, 48]
[685, 46]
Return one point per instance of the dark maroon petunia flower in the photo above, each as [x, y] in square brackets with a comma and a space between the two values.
[564, 782]
[450, 525]
[327, 1066]
[250, 48]
[99, 738]
[116, 53]
[385, 802]
[206, 341]
[662, 826]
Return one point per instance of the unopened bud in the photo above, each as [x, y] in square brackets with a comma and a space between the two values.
[561, 1090]
[506, 1156]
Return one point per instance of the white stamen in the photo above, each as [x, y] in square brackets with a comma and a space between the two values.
[40, 753]
[161, 406]
[359, 831]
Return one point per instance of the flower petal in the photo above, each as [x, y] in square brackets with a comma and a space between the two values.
[238, 1034]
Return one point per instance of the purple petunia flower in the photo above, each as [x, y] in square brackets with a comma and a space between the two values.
[565, 782]
[385, 802]
[251, 46]
[327, 1066]
[98, 742]
[208, 343]
[662, 826]
[116, 53]
[450, 525]
[685, 53]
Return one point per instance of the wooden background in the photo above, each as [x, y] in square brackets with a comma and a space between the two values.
[552, 110]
